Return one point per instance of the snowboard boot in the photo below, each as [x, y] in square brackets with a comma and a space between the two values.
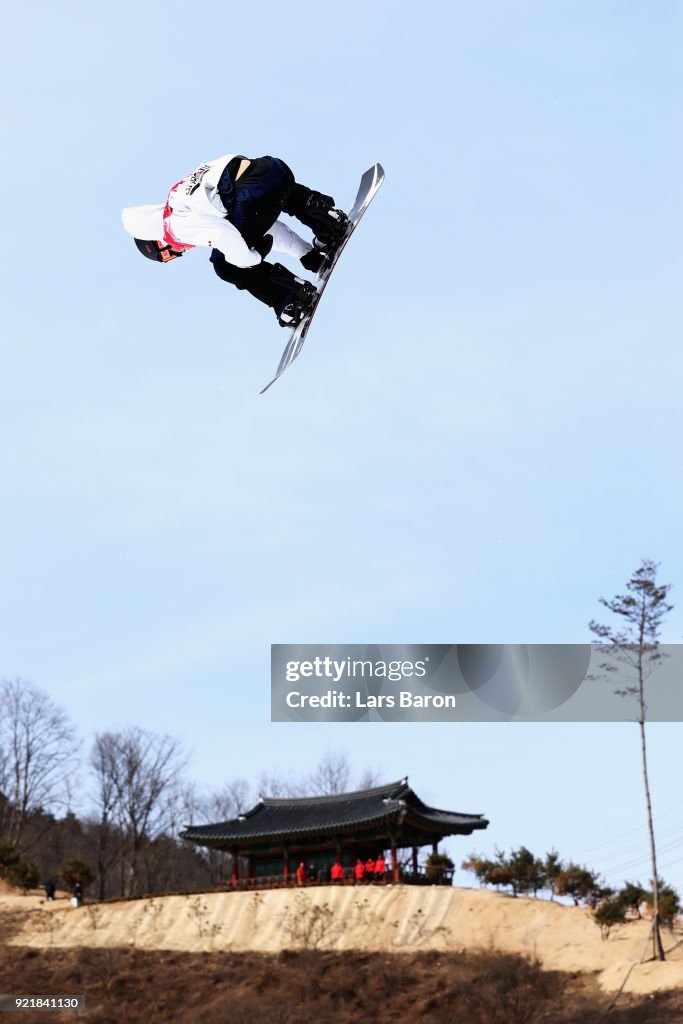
[329, 224]
[298, 307]
[318, 212]
[299, 299]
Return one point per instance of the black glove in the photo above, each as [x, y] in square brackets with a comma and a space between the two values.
[263, 245]
[313, 260]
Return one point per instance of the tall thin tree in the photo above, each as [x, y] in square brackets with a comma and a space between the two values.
[108, 838]
[634, 642]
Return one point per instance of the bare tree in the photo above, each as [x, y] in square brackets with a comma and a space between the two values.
[334, 774]
[635, 643]
[331, 775]
[38, 756]
[233, 799]
[108, 837]
[276, 784]
[370, 778]
[137, 772]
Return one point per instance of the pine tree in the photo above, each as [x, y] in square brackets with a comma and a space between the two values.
[635, 643]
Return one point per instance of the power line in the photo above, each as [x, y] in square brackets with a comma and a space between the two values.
[663, 838]
[628, 865]
[637, 828]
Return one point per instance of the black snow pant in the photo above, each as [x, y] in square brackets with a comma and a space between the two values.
[254, 202]
[255, 280]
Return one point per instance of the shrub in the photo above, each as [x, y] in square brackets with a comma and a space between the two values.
[669, 904]
[73, 871]
[632, 895]
[579, 883]
[8, 856]
[23, 874]
[439, 868]
[610, 913]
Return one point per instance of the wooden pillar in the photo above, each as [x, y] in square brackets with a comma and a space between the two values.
[340, 854]
[435, 847]
[415, 861]
[250, 866]
[234, 869]
[394, 864]
[285, 864]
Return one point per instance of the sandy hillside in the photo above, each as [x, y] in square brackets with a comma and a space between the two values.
[398, 918]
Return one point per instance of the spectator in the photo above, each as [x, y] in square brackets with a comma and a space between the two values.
[301, 873]
[359, 870]
[312, 873]
[369, 869]
[380, 868]
[337, 872]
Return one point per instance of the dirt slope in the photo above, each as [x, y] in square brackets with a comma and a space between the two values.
[392, 918]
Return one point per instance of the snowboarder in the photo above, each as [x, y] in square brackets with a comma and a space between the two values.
[232, 205]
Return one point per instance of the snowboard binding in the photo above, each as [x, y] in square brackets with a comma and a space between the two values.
[300, 299]
[329, 224]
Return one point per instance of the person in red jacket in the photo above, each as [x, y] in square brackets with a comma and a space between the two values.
[359, 870]
[370, 869]
[337, 872]
[380, 868]
[301, 873]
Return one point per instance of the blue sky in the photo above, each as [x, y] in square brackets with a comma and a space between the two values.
[481, 436]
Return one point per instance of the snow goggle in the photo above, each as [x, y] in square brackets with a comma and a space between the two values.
[167, 252]
[157, 251]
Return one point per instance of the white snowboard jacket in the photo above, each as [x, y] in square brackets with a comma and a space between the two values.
[194, 215]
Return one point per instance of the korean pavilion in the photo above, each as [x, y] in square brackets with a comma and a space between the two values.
[267, 842]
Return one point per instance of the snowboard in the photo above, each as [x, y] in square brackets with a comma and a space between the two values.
[367, 190]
